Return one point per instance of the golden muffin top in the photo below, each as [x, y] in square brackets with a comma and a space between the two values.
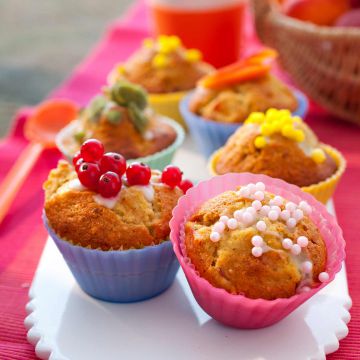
[133, 216]
[278, 145]
[233, 104]
[122, 121]
[163, 65]
[257, 244]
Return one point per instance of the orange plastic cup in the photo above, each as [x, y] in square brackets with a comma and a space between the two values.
[216, 30]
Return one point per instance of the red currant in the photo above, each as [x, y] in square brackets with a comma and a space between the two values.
[92, 150]
[109, 184]
[112, 161]
[171, 176]
[185, 185]
[138, 174]
[89, 175]
[76, 157]
[78, 163]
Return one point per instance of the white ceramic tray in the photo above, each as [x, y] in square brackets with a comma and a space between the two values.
[66, 324]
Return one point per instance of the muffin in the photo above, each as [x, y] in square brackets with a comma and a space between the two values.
[281, 146]
[222, 101]
[254, 248]
[253, 243]
[234, 104]
[114, 225]
[122, 121]
[165, 69]
[162, 66]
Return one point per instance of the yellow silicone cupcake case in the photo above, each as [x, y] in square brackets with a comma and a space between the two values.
[322, 191]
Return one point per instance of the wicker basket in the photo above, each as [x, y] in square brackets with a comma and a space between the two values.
[323, 61]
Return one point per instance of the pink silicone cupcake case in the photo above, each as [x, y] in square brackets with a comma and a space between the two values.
[237, 310]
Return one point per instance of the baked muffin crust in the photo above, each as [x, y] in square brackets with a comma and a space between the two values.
[134, 222]
[229, 262]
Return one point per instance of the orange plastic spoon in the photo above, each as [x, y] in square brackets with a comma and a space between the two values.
[40, 129]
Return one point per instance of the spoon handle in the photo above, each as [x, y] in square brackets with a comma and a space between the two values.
[17, 175]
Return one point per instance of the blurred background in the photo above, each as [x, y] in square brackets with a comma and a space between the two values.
[40, 43]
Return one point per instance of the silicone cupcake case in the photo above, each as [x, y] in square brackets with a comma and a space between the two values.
[210, 135]
[237, 310]
[119, 275]
[322, 191]
[156, 161]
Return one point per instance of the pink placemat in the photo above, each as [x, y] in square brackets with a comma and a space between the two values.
[22, 235]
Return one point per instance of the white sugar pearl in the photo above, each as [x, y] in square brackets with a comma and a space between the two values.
[224, 219]
[252, 188]
[290, 206]
[215, 236]
[251, 210]
[261, 225]
[244, 192]
[323, 277]
[296, 249]
[303, 241]
[257, 240]
[291, 223]
[238, 215]
[276, 208]
[273, 215]
[287, 243]
[232, 224]
[219, 227]
[265, 210]
[278, 200]
[256, 204]
[305, 207]
[304, 289]
[285, 215]
[298, 214]
[256, 251]
[306, 267]
[259, 195]
[248, 218]
[260, 186]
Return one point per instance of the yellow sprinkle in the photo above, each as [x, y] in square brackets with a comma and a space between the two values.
[266, 129]
[193, 55]
[287, 131]
[255, 118]
[148, 43]
[260, 142]
[318, 155]
[120, 69]
[160, 61]
[284, 113]
[167, 44]
[299, 136]
[271, 114]
[277, 126]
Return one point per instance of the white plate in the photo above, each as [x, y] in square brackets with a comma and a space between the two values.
[65, 323]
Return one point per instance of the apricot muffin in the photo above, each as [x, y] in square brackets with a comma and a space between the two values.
[162, 66]
[256, 244]
[279, 145]
[234, 104]
[121, 119]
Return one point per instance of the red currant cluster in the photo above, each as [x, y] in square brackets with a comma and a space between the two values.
[103, 172]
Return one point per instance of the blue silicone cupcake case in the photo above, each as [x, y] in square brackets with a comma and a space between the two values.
[211, 135]
[119, 275]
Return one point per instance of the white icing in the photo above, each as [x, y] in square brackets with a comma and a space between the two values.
[107, 202]
[149, 135]
[75, 184]
[147, 190]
